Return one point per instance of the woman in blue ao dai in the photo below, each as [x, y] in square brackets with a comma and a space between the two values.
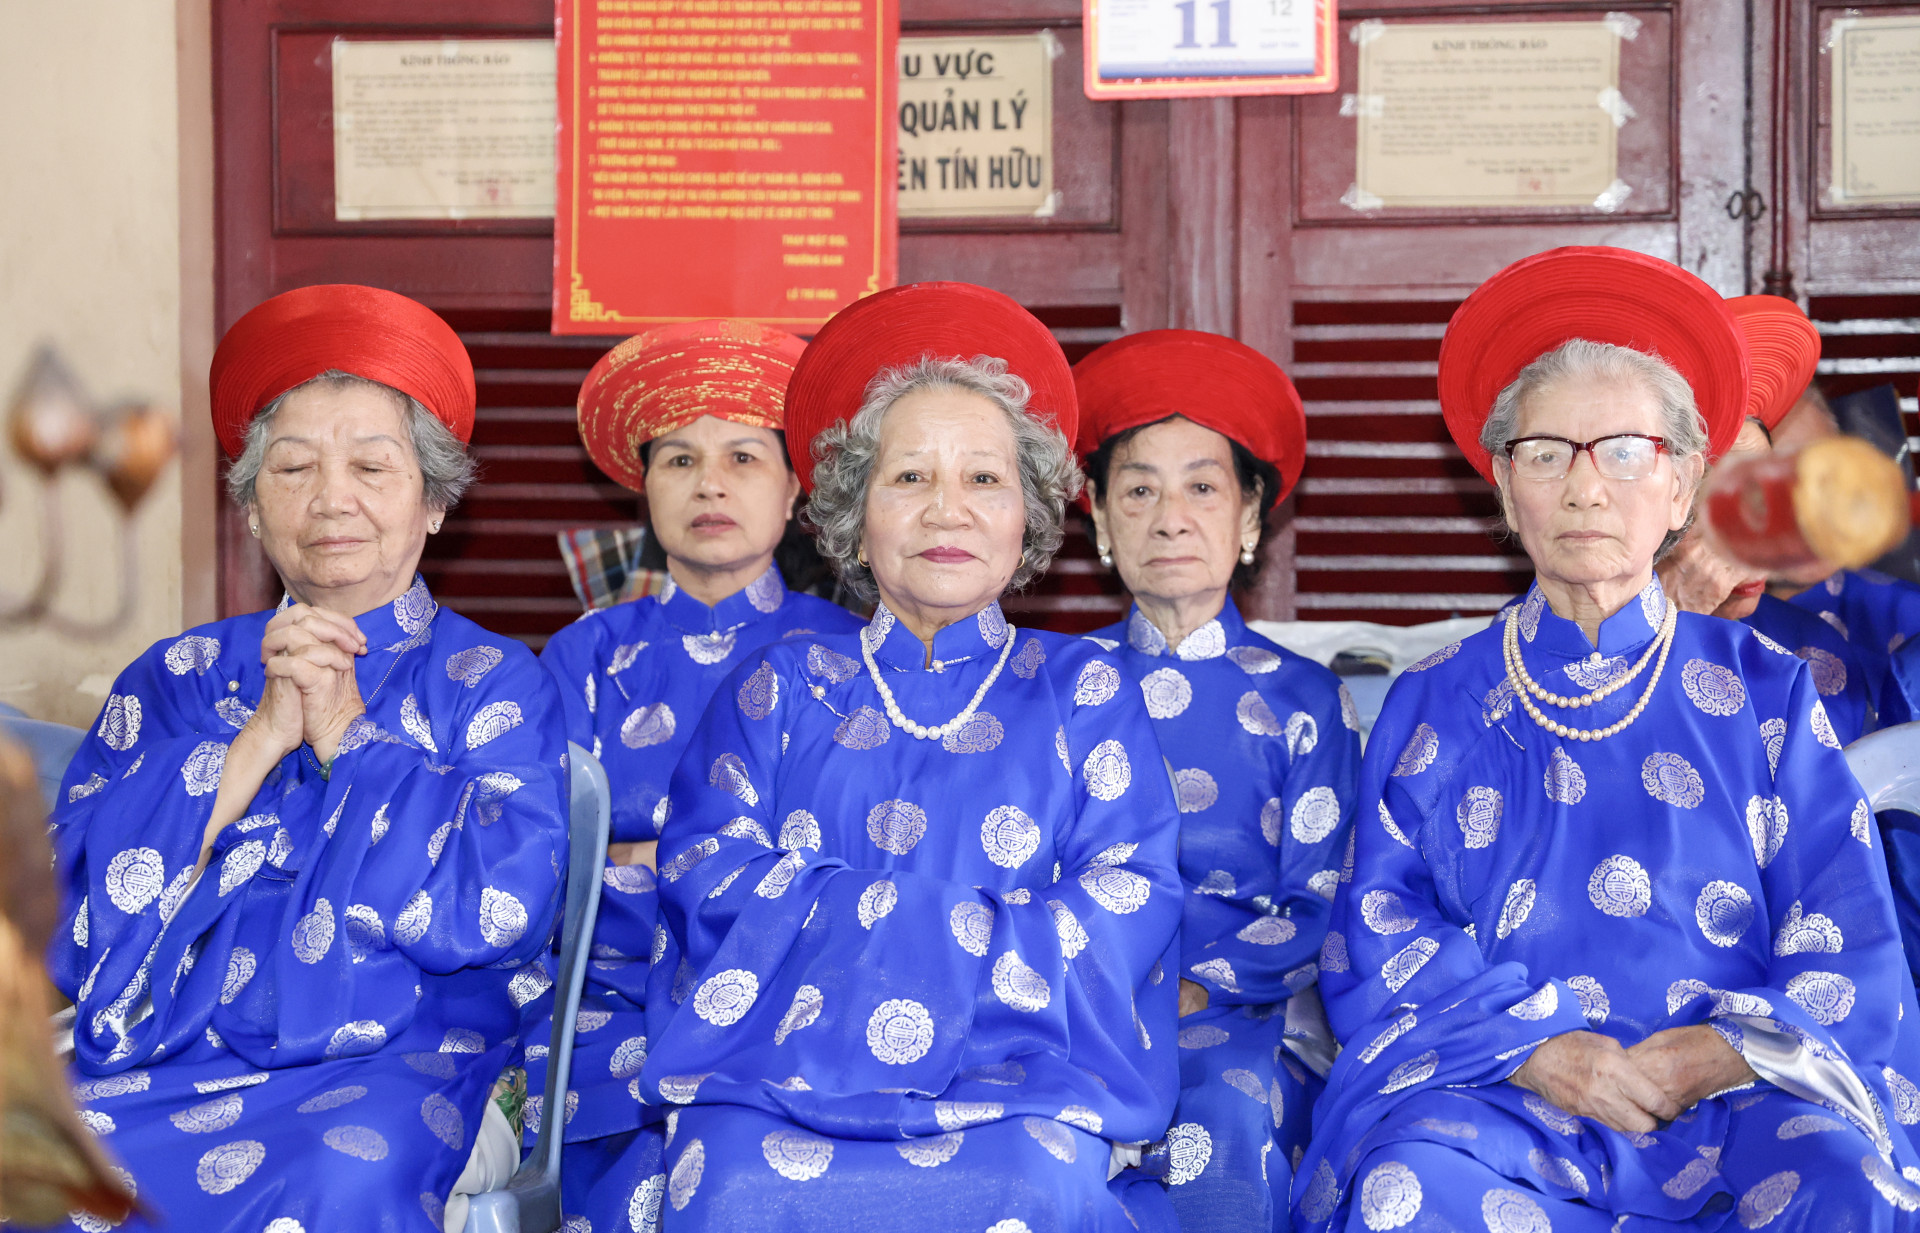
[690, 415]
[310, 853]
[917, 881]
[1261, 741]
[1615, 951]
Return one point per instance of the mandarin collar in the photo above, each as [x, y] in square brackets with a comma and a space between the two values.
[396, 625]
[981, 635]
[1210, 641]
[756, 601]
[1637, 622]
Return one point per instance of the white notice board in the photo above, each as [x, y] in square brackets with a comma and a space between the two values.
[1489, 115]
[444, 128]
[1876, 110]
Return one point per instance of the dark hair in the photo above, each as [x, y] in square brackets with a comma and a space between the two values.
[1249, 472]
[800, 563]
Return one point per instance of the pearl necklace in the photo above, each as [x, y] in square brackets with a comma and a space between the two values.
[1517, 668]
[1663, 639]
[921, 731]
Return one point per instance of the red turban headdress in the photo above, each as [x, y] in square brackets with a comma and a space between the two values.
[1783, 349]
[380, 335]
[667, 377]
[1216, 382]
[1607, 295]
[899, 326]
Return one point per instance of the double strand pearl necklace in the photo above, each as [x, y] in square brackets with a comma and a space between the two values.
[1517, 668]
[1523, 687]
[921, 731]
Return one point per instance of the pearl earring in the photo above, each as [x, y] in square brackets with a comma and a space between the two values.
[435, 528]
[1246, 554]
[1106, 556]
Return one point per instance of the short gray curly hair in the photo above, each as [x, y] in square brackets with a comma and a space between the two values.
[1682, 425]
[845, 454]
[446, 469]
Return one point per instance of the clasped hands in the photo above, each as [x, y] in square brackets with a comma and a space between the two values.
[1634, 1089]
[311, 698]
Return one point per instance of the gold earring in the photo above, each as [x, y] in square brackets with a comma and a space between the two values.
[1106, 557]
[1246, 554]
[860, 555]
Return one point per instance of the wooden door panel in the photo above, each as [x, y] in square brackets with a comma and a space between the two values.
[1390, 523]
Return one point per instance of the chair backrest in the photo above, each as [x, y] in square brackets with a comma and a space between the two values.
[1887, 764]
[588, 820]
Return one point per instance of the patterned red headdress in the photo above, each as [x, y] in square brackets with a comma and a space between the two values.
[380, 335]
[667, 377]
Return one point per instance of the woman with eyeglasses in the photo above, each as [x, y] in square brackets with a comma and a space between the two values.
[1618, 945]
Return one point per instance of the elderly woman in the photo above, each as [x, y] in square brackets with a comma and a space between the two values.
[917, 881]
[307, 852]
[1618, 944]
[1189, 439]
[691, 416]
[1782, 349]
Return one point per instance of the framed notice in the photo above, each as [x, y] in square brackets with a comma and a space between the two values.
[1488, 115]
[723, 158]
[447, 128]
[1194, 48]
[1876, 110]
[976, 126]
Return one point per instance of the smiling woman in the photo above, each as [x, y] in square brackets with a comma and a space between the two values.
[269, 873]
[917, 881]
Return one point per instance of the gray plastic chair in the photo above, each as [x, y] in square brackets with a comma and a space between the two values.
[530, 1203]
[1887, 764]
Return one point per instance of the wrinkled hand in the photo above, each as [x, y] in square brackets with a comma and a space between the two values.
[1588, 1074]
[1697, 577]
[1690, 1064]
[637, 853]
[313, 651]
[1193, 997]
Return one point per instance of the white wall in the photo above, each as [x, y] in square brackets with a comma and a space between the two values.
[91, 262]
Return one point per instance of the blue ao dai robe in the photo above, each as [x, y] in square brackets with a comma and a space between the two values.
[1876, 614]
[1265, 751]
[914, 981]
[1712, 863]
[305, 1039]
[1838, 676]
[634, 679]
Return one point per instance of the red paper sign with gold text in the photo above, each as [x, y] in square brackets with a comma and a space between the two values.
[723, 158]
